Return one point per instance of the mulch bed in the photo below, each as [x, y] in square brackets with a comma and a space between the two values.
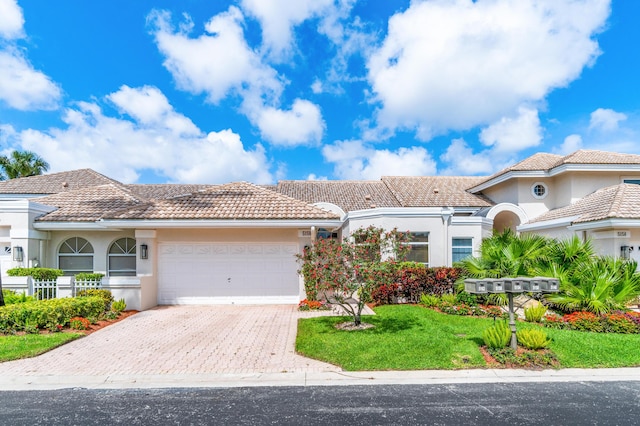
[92, 328]
[521, 355]
[102, 324]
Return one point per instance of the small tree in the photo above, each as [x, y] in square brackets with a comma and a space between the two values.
[22, 164]
[346, 272]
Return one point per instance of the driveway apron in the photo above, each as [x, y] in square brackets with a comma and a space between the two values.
[182, 340]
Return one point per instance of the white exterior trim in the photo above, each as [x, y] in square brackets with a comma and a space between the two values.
[508, 207]
[547, 224]
[607, 223]
[190, 223]
[239, 300]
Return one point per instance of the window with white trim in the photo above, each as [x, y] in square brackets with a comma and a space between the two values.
[419, 248]
[461, 248]
[122, 258]
[75, 256]
[539, 190]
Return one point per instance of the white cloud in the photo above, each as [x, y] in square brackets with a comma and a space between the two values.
[461, 160]
[571, 144]
[300, 125]
[457, 64]
[21, 86]
[217, 63]
[279, 17]
[123, 148]
[150, 107]
[354, 160]
[24, 88]
[220, 64]
[11, 20]
[606, 119]
[514, 134]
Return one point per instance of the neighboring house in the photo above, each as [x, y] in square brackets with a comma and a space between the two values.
[236, 243]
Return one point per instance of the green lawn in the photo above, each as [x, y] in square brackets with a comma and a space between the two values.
[29, 345]
[409, 337]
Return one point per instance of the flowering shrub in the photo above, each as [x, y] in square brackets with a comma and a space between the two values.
[313, 305]
[79, 323]
[409, 281]
[346, 273]
[615, 322]
[584, 321]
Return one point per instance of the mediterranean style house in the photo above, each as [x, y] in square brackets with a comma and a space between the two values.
[236, 242]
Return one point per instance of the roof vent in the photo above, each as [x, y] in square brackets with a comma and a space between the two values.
[65, 185]
[367, 197]
[436, 190]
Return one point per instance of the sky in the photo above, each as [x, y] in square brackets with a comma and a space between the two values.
[265, 90]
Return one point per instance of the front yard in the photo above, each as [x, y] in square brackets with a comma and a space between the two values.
[411, 337]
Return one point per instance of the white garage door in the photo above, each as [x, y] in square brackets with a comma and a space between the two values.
[208, 273]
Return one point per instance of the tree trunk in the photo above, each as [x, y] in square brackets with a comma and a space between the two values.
[1, 295]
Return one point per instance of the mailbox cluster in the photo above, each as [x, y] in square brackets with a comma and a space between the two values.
[512, 285]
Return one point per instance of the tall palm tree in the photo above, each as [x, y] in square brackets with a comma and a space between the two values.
[22, 164]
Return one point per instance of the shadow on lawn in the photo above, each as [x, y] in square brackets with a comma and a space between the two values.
[391, 325]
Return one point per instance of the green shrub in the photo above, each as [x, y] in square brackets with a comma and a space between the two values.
[105, 295]
[535, 313]
[497, 336]
[11, 297]
[532, 338]
[429, 300]
[42, 274]
[467, 298]
[119, 306]
[87, 276]
[48, 314]
[448, 298]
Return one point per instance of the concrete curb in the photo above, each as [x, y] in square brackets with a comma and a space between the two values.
[343, 378]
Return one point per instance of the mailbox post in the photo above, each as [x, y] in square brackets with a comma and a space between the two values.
[512, 286]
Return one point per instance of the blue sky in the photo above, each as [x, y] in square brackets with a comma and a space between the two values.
[262, 90]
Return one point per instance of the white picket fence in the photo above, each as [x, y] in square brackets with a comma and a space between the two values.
[48, 289]
[86, 285]
[44, 289]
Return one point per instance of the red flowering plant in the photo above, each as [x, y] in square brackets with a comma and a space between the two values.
[313, 305]
[346, 273]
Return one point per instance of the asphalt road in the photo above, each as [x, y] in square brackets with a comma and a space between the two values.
[577, 403]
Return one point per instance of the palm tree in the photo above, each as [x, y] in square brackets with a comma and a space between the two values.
[22, 164]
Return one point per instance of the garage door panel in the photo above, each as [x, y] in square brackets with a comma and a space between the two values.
[206, 272]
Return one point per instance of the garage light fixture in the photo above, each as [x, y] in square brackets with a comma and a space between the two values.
[18, 254]
[144, 251]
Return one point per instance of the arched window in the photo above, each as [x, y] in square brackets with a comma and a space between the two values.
[75, 255]
[122, 258]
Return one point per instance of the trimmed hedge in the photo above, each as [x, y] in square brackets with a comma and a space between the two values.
[411, 281]
[48, 314]
[89, 276]
[105, 295]
[44, 274]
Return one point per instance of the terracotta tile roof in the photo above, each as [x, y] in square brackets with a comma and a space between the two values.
[348, 195]
[436, 191]
[546, 162]
[586, 156]
[54, 183]
[541, 161]
[620, 201]
[87, 204]
[168, 190]
[238, 200]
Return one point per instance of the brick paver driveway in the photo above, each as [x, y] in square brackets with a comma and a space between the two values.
[182, 340]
